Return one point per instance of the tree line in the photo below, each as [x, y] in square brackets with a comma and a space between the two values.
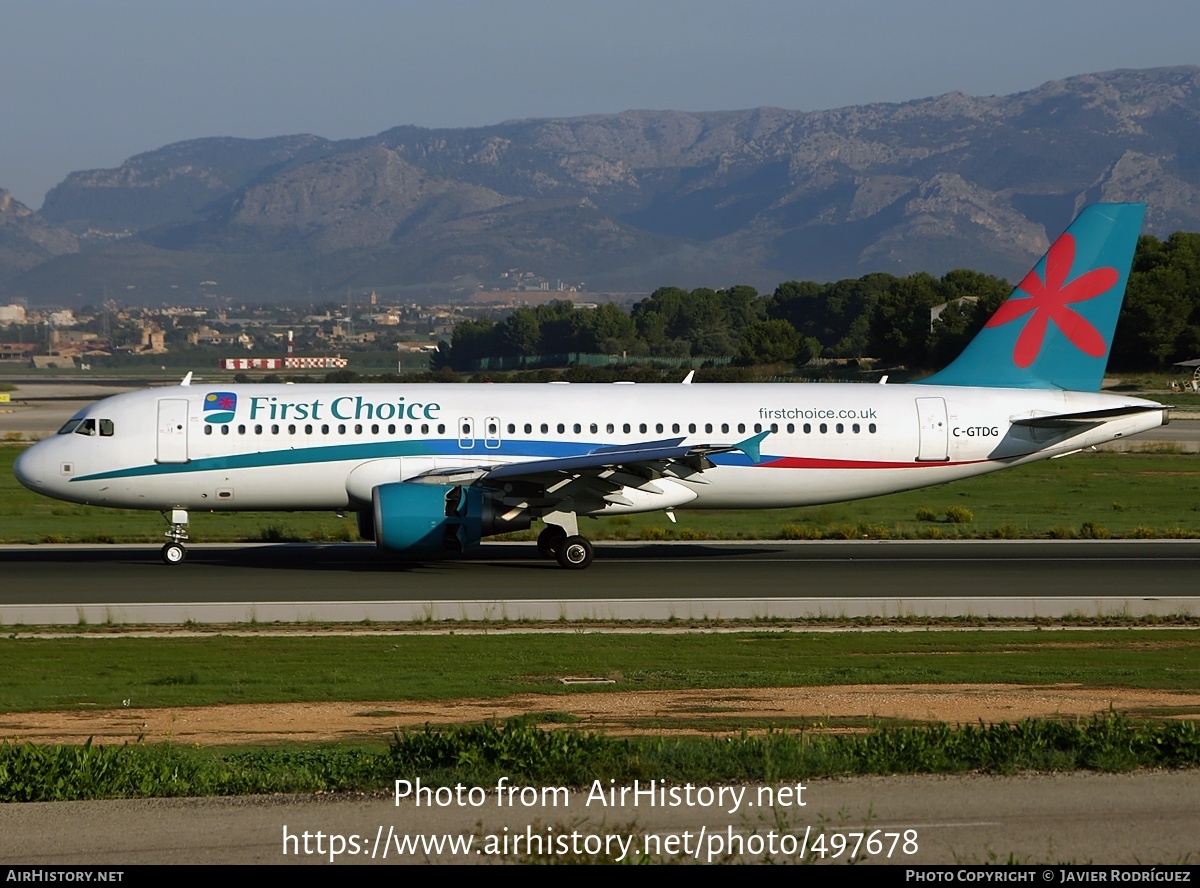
[879, 316]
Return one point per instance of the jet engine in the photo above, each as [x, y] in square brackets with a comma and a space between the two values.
[431, 519]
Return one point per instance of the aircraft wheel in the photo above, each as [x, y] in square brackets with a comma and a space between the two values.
[574, 553]
[173, 553]
[549, 539]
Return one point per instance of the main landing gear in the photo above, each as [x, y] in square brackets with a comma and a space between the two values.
[174, 551]
[564, 544]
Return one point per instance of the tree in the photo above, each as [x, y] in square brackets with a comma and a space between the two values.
[766, 342]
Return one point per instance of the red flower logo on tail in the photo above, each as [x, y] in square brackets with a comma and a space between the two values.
[1049, 301]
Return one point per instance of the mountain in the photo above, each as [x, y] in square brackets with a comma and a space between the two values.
[640, 199]
[27, 239]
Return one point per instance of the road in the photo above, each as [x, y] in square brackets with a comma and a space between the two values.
[1039, 819]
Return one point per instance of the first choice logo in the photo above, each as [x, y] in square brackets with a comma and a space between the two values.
[976, 432]
[344, 407]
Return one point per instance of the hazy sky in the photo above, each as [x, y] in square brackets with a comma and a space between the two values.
[86, 84]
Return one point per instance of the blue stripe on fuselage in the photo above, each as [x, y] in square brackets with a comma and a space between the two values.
[510, 449]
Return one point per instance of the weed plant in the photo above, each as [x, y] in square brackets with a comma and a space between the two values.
[479, 755]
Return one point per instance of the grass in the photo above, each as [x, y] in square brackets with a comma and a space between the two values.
[1087, 496]
[480, 755]
[79, 673]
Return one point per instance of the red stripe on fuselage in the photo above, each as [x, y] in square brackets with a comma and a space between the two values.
[805, 462]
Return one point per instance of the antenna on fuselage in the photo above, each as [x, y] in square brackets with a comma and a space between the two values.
[187, 380]
[687, 380]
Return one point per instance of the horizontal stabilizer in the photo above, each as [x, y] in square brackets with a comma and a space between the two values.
[1087, 417]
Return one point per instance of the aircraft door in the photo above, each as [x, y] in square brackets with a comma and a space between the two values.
[491, 431]
[172, 430]
[934, 445]
[466, 433]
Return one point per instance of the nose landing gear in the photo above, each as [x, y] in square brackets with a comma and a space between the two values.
[174, 551]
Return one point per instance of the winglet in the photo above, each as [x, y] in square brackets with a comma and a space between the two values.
[750, 446]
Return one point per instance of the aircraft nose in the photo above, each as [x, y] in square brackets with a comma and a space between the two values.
[30, 468]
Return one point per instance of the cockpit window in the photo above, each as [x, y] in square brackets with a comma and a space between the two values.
[106, 428]
[69, 426]
[86, 427]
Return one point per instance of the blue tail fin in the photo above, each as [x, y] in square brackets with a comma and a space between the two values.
[1056, 329]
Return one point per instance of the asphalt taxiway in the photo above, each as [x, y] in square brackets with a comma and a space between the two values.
[629, 581]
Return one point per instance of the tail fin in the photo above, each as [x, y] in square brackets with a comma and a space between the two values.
[1056, 329]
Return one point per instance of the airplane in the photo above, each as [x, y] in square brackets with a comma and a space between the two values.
[431, 470]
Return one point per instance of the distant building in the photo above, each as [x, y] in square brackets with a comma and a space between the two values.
[17, 351]
[292, 363]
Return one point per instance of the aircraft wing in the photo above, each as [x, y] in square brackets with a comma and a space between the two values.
[610, 466]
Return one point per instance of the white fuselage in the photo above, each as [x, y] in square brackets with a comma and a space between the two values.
[324, 447]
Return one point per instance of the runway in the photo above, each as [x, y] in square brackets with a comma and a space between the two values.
[762, 580]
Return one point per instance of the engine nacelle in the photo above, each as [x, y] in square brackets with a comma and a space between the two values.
[432, 519]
